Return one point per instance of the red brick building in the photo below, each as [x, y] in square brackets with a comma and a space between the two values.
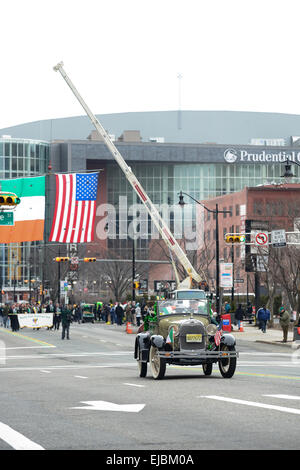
[272, 206]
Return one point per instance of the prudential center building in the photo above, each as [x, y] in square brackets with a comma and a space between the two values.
[209, 154]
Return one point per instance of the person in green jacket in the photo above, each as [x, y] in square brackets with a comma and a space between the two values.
[66, 318]
[284, 322]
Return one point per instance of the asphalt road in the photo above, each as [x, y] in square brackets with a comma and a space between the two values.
[85, 393]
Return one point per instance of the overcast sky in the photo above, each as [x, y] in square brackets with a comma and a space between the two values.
[126, 55]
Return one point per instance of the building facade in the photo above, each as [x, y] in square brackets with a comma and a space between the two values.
[201, 171]
[21, 263]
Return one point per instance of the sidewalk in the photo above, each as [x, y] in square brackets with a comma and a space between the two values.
[272, 335]
[251, 333]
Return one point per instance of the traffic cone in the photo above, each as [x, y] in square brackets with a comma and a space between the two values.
[128, 327]
[241, 327]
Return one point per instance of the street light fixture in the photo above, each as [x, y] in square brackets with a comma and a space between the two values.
[288, 172]
[215, 211]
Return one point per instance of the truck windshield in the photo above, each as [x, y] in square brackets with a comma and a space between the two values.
[178, 307]
[190, 294]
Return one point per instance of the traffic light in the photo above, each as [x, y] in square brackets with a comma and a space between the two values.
[89, 260]
[9, 199]
[234, 238]
[136, 285]
[61, 259]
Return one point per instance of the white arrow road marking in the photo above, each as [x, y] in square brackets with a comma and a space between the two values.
[107, 406]
[254, 403]
[285, 397]
[16, 439]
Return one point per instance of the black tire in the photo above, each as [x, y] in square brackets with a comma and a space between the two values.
[227, 366]
[157, 364]
[142, 368]
[207, 368]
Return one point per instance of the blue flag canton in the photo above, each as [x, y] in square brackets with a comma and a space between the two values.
[86, 187]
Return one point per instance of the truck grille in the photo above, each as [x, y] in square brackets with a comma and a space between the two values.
[191, 327]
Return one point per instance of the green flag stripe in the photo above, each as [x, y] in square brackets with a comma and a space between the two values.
[25, 187]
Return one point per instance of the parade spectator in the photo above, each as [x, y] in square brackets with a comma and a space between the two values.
[239, 315]
[263, 315]
[112, 314]
[138, 314]
[284, 322]
[119, 313]
[66, 319]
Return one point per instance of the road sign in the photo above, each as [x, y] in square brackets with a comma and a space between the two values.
[226, 278]
[6, 218]
[74, 260]
[278, 238]
[261, 238]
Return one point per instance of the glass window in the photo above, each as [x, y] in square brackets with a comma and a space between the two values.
[20, 150]
[14, 149]
[7, 149]
[32, 153]
[20, 164]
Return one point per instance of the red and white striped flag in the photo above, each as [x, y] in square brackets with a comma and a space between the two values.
[75, 208]
[218, 336]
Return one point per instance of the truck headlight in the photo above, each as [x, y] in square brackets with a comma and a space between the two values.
[211, 329]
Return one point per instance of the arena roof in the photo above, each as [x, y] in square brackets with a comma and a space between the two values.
[216, 127]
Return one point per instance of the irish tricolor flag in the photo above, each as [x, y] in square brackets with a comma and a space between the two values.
[29, 215]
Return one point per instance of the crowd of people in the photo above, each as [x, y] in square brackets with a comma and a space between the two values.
[66, 314]
[119, 313]
[262, 317]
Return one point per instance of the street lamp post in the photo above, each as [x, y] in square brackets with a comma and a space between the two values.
[215, 211]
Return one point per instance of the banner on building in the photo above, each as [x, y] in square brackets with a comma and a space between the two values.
[35, 320]
[25, 221]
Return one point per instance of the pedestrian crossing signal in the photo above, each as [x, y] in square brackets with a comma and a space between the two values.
[234, 238]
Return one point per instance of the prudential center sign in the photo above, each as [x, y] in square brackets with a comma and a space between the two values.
[238, 156]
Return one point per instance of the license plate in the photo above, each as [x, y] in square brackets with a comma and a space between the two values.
[196, 338]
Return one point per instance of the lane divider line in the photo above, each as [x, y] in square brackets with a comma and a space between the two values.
[16, 440]
[253, 403]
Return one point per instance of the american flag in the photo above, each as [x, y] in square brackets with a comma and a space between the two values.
[218, 336]
[75, 208]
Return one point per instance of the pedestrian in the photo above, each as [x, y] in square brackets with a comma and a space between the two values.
[119, 312]
[239, 315]
[284, 322]
[106, 313]
[112, 315]
[128, 313]
[133, 314]
[227, 307]
[138, 314]
[5, 315]
[56, 319]
[249, 312]
[98, 315]
[50, 309]
[263, 315]
[66, 318]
